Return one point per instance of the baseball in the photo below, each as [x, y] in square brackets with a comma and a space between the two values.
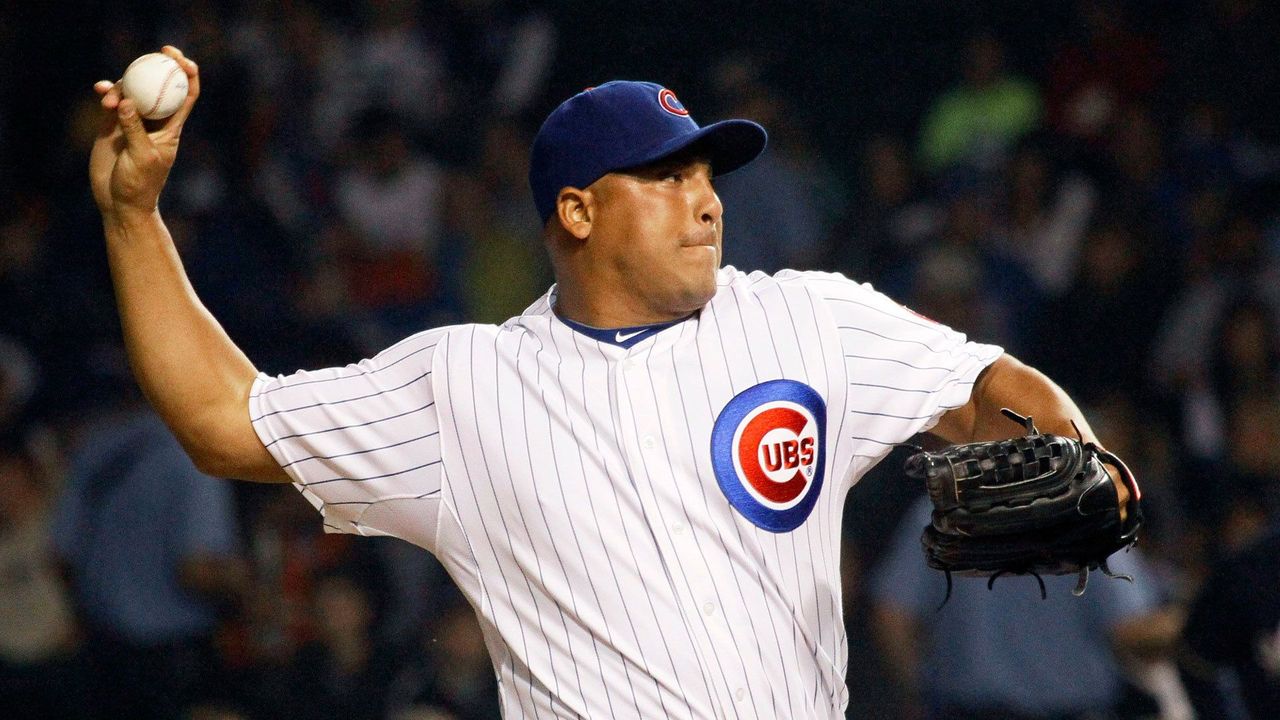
[156, 84]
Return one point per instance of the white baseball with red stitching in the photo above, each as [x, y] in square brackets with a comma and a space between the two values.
[156, 84]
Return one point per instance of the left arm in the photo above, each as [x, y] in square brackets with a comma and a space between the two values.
[1009, 383]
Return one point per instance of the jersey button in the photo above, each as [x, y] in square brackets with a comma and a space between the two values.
[709, 609]
[740, 693]
[678, 528]
[648, 442]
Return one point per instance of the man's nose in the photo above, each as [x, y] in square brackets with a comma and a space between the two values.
[710, 210]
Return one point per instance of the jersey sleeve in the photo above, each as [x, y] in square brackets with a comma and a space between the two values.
[904, 370]
[361, 442]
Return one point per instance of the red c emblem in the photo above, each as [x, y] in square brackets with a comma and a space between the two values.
[670, 103]
[772, 445]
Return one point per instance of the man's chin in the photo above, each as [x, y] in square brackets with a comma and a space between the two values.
[699, 293]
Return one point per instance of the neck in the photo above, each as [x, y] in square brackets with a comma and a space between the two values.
[607, 309]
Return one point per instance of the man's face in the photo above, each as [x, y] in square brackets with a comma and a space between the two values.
[658, 228]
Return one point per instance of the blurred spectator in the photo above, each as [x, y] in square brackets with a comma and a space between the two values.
[390, 202]
[345, 671]
[1096, 74]
[1006, 654]
[1244, 363]
[233, 252]
[773, 205]
[199, 27]
[890, 217]
[1226, 501]
[1234, 622]
[380, 592]
[286, 560]
[964, 278]
[948, 285]
[1046, 218]
[977, 122]
[150, 545]
[390, 61]
[1140, 187]
[289, 170]
[411, 592]
[1228, 264]
[391, 193]
[502, 52]
[492, 227]
[1225, 52]
[38, 634]
[51, 310]
[1211, 156]
[7, 47]
[1252, 460]
[315, 326]
[1096, 335]
[24, 272]
[19, 381]
[450, 673]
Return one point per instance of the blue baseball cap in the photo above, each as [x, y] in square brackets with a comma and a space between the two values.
[624, 124]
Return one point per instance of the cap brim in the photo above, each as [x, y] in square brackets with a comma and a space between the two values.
[728, 144]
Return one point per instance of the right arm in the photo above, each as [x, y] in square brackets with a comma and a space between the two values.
[189, 369]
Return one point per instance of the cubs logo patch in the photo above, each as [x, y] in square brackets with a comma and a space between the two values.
[768, 451]
[670, 103]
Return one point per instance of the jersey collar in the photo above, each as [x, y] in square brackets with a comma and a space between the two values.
[622, 337]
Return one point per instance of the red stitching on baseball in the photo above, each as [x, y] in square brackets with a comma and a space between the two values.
[164, 86]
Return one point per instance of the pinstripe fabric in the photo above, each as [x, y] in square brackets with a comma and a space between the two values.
[567, 485]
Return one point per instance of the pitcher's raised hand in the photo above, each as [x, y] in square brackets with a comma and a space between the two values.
[131, 160]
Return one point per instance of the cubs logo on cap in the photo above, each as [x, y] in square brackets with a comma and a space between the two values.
[768, 451]
[671, 103]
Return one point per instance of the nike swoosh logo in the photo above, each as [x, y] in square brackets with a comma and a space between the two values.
[623, 338]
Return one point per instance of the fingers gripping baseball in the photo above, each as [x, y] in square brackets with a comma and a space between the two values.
[130, 160]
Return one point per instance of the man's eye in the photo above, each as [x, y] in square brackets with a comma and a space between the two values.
[674, 176]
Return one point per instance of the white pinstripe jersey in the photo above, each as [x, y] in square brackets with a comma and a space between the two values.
[651, 531]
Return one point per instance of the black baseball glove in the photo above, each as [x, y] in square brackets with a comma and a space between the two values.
[1038, 504]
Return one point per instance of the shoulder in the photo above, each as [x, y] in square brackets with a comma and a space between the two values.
[830, 288]
[758, 282]
[534, 321]
[839, 298]
[537, 315]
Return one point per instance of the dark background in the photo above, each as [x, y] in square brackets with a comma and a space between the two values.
[1167, 304]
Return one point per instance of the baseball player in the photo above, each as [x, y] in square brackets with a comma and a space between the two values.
[638, 483]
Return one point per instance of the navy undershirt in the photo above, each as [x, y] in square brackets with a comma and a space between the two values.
[622, 337]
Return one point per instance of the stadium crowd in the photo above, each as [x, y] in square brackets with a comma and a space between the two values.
[1095, 186]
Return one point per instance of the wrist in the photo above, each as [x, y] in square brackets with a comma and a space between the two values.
[124, 217]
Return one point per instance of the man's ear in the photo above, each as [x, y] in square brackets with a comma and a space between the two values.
[574, 210]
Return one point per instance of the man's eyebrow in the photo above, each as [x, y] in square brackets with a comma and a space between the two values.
[672, 163]
[695, 158]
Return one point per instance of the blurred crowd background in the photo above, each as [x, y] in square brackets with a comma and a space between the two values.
[1094, 185]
